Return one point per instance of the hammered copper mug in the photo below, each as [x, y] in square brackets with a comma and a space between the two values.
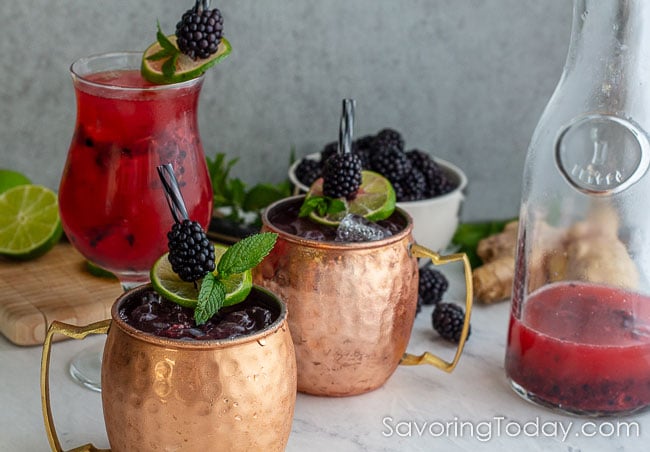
[165, 394]
[351, 305]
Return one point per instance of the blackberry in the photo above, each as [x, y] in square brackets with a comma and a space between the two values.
[389, 138]
[364, 147]
[308, 171]
[191, 254]
[329, 150]
[199, 31]
[440, 184]
[413, 186]
[437, 181]
[400, 190]
[391, 162]
[432, 285]
[342, 176]
[447, 319]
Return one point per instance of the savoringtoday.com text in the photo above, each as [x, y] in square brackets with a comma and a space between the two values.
[501, 426]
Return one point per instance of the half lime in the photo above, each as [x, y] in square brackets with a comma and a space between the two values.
[168, 284]
[185, 68]
[375, 200]
[29, 221]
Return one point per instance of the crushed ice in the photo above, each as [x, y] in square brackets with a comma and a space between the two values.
[355, 228]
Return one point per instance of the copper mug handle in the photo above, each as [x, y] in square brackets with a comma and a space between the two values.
[429, 358]
[74, 332]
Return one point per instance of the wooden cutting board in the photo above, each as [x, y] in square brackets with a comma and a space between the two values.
[55, 286]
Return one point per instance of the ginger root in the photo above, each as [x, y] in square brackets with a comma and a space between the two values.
[594, 253]
[589, 250]
[493, 280]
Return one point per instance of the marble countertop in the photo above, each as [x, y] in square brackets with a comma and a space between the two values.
[418, 409]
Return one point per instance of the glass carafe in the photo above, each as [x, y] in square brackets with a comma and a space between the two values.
[579, 334]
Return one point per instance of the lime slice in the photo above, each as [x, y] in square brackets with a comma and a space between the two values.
[186, 68]
[171, 286]
[10, 179]
[375, 200]
[29, 221]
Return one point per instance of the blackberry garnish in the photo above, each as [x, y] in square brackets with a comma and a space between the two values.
[308, 171]
[199, 31]
[432, 285]
[342, 171]
[342, 175]
[191, 254]
[447, 319]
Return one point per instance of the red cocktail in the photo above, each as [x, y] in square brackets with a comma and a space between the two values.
[112, 205]
[583, 348]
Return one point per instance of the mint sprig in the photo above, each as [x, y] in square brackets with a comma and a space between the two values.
[168, 51]
[238, 258]
[323, 205]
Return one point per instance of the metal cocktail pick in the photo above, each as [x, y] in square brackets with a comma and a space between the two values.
[346, 127]
[172, 192]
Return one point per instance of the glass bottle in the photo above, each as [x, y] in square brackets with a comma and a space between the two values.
[579, 334]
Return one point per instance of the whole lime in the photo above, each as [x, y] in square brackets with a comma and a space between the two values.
[10, 178]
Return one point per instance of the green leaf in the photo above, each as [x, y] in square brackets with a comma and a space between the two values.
[336, 206]
[169, 66]
[165, 43]
[233, 193]
[321, 204]
[261, 195]
[159, 55]
[310, 204]
[237, 190]
[212, 296]
[246, 253]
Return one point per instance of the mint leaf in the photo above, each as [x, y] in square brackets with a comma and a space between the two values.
[246, 253]
[261, 195]
[323, 205]
[165, 43]
[159, 55]
[169, 66]
[336, 206]
[212, 296]
[309, 205]
[168, 50]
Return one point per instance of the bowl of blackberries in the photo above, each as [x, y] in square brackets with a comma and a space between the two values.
[428, 188]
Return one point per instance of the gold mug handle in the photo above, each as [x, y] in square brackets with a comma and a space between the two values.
[75, 332]
[429, 358]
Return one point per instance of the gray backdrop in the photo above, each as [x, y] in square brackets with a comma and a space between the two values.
[465, 80]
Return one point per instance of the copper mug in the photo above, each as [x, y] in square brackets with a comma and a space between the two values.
[166, 394]
[352, 305]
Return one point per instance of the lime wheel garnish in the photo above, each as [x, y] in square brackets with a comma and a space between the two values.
[375, 200]
[163, 62]
[168, 284]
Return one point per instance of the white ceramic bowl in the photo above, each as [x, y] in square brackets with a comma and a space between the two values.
[434, 220]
